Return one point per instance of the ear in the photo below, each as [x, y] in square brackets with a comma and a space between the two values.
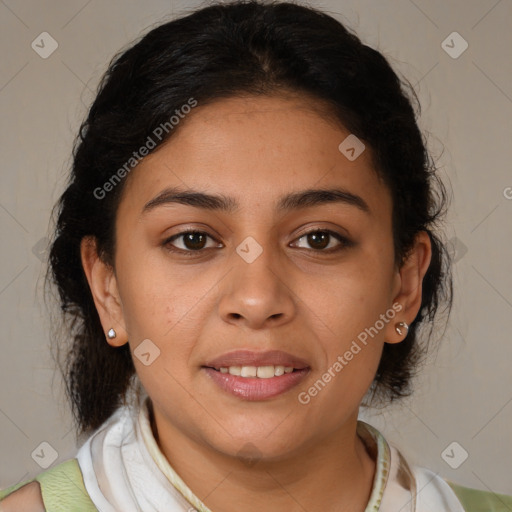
[103, 284]
[409, 284]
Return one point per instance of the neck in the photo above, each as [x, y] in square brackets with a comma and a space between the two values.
[333, 470]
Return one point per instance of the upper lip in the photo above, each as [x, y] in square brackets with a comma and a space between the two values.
[251, 358]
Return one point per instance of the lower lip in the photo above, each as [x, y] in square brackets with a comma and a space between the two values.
[254, 388]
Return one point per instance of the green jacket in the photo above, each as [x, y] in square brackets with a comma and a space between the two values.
[63, 490]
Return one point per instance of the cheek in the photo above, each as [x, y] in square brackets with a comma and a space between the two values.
[355, 312]
[152, 294]
[352, 356]
[355, 296]
[165, 304]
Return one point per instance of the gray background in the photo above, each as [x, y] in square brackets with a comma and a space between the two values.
[463, 395]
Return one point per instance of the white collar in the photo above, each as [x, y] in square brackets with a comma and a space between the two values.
[124, 470]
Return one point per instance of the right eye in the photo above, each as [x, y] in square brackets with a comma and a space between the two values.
[190, 240]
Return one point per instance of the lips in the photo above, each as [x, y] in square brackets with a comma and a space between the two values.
[251, 358]
[235, 373]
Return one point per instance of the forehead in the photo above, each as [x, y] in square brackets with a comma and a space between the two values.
[255, 150]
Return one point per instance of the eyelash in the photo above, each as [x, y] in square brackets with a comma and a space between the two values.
[344, 242]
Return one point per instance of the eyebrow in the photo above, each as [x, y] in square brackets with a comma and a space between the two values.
[219, 202]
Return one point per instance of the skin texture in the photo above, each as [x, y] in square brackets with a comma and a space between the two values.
[293, 297]
[26, 499]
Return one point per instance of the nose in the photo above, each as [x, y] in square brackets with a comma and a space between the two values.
[257, 294]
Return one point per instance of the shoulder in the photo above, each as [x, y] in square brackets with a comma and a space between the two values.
[27, 498]
[474, 500]
[56, 489]
[437, 493]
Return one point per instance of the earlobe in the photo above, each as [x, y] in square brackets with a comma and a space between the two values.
[410, 280]
[103, 285]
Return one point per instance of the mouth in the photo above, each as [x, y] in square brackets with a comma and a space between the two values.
[256, 375]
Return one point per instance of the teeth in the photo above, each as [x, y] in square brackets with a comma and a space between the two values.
[278, 370]
[235, 370]
[265, 372]
[249, 371]
[262, 372]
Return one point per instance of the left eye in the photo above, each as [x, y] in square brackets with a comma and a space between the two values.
[320, 240]
[191, 240]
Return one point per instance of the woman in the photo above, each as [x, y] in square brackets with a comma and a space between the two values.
[246, 250]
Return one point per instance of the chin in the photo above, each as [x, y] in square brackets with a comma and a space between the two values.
[256, 445]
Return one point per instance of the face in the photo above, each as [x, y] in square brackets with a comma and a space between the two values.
[273, 268]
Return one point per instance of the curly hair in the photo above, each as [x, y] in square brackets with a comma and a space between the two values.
[220, 51]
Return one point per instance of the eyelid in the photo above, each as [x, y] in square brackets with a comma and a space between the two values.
[344, 242]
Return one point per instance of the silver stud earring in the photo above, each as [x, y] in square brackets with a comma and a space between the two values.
[111, 334]
[401, 325]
